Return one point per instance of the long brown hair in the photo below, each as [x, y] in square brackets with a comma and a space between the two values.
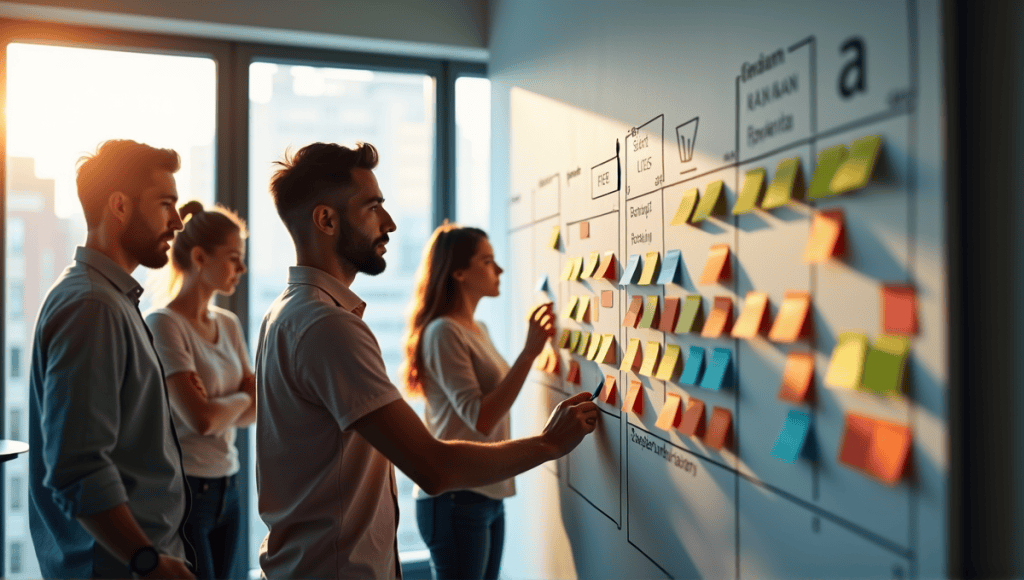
[450, 248]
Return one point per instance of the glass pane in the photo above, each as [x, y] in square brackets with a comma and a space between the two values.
[292, 106]
[61, 103]
[473, 152]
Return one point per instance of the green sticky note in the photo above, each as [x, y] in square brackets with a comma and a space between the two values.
[581, 348]
[829, 161]
[786, 185]
[686, 205]
[711, 203]
[750, 195]
[650, 313]
[856, 171]
[574, 340]
[883, 369]
[691, 318]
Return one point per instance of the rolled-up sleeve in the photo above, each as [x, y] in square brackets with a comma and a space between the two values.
[448, 360]
[80, 407]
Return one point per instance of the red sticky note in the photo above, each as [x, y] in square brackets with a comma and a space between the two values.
[574, 372]
[671, 414]
[606, 269]
[717, 268]
[720, 429]
[634, 402]
[720, 319]
[797, 378]
[608, 393]
[878, 448]
[670, 316]
[693, 419]
[636, 310]
[899, 309]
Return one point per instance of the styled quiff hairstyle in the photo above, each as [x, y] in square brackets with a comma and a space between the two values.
[309, 177]
[119, 165]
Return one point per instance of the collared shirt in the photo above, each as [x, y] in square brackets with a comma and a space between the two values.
[327, 496]
[100, 430]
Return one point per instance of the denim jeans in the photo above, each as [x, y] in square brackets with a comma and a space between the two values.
[214, 525]
[465, 532]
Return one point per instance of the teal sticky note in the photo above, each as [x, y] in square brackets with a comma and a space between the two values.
[670, 268]
[694, 366]
[719, 370]
[632, 272]
[542, 284]
[793, 440]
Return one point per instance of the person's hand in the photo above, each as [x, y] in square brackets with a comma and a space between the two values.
[541, 328]
[171, 568]
[570, 422]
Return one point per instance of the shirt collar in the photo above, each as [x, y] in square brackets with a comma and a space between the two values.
[338, 292]
[110, 270]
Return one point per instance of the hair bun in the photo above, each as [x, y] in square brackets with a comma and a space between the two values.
[190, 208]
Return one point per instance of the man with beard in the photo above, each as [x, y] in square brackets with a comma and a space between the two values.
[330, 426]
[107, 497]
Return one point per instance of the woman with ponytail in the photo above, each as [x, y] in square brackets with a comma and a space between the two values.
[209, 377]
[469, 389]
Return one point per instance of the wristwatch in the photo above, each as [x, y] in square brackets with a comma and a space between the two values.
[144, 560]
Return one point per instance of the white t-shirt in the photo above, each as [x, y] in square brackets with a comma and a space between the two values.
[221, 366]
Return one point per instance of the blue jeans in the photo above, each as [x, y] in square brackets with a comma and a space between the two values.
[465, 532]
[214, 525]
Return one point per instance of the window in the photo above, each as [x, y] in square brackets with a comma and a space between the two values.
[15, 362]
[473, 152]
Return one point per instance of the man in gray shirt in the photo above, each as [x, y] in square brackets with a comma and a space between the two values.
[107, 497]
[330, 426]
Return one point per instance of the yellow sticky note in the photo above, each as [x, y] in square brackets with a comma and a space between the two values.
[829, 161]
[581, 348]
[786, 185]
[583, 310]
[750, 195]
[668, 370]
[847, 365]
[686, 206]
[570, 263]
[574, 339]
[577, 268]
[652, 351]
[711, 203]
[855, 172]
[631, 361]
[591, 265]
[608, 352]
[595, 346]
[555, 234]
[563, 339]
[570, 309]
[652, 265]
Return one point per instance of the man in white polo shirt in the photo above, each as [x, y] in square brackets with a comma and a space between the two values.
[330, 426]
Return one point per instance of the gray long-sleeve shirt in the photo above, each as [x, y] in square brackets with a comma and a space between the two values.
[100, 430]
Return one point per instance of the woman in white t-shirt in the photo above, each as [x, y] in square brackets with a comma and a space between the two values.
[469, 389]
[209, 376]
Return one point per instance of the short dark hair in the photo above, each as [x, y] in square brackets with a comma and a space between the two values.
[119, 165]
[305, 179]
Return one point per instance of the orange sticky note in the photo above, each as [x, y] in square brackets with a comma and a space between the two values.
[608, 352]
[827, 237]
[875, 447]
[607, 298]
[720, 319]
[720, 429]
[633, 358]
[693, 419]
[584, 230]
[652, 313]
[797, 378]
[608, 393]
[574, 373]
[792, 323]
[636, 310]
[751, 318]
[591, 265]
[652, 351]
[670, 316]
[634, 402]
[554, 365]
[717, 268]
[652, 265]
[671, 414]
[606, 269]
[899, 309]
[670, 365]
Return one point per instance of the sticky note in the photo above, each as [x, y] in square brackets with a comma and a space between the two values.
[570, 263]
[787, 184]
[671, 414]
[634, 401]
[792, 321]
[577, 268]
[829, 161]
[751, 318]
[720, 429]
[606, 269]
[856, 171]
[608, 352]
[607, 298]
[711, 203]
[569, 312]
[899, 309]
[668, 370]
[651, 316]
[687, 203]
[581, 348]
[652, 351]
[635, 312]
[563, 339]
[542, 284]
[595, 346]
[583, 310]
[632, 272]
[694, 367]
[584, 230]
[670, 316]
[652, 265]
[573, 375]
[828, 237]
[717, 268]
[885, 363]
[797, 378]
[750, 195]
[608, 392]
[574, 339]
[719, 370]
[671, 268]
[591, 265]
[553, 240]
[793, 439]
[693, 418]
[847, 365]
[691, 318]
[720, 318]
[875, 447]
[633, 358]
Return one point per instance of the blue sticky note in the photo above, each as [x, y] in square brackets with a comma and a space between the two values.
[694, 366]
[542, 284]
[670, 271]
[793, 440]
[719, 370]
[632, 271]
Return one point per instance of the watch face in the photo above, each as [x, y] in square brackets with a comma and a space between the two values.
[144, 560]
